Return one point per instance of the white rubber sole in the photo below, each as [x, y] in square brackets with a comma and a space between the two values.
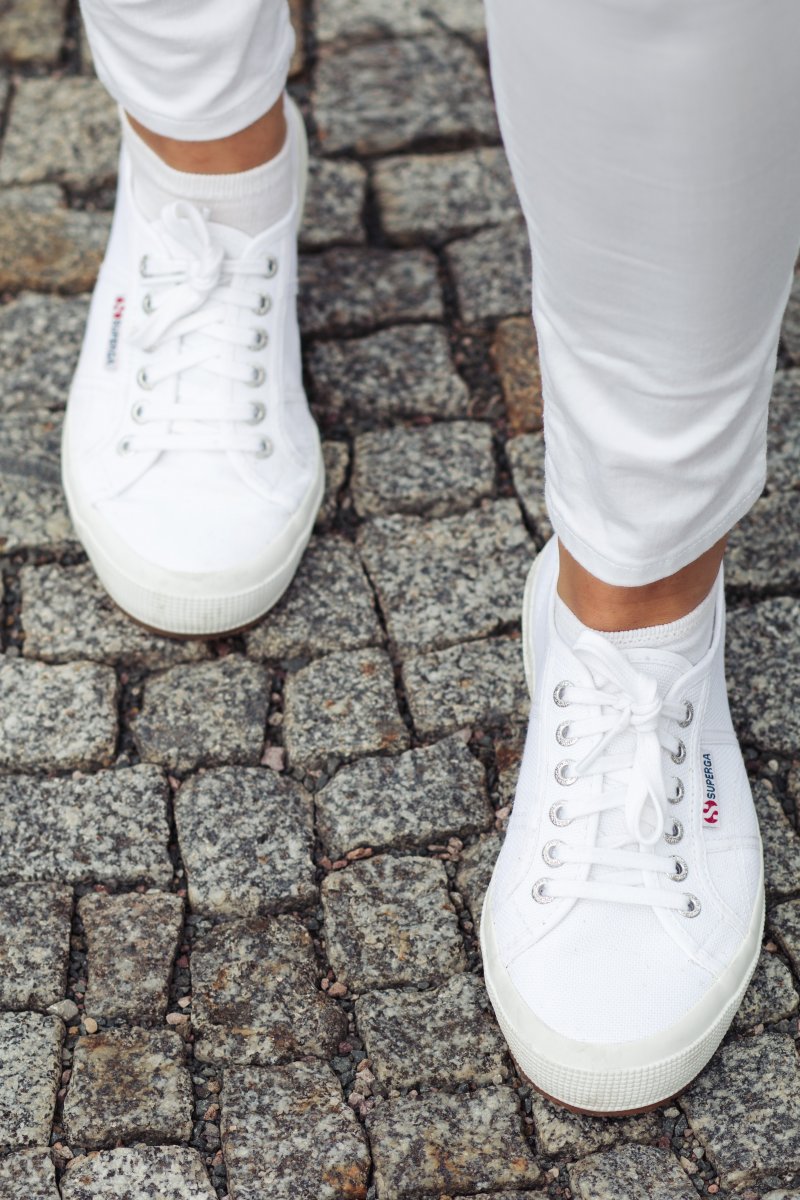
[605, 1080]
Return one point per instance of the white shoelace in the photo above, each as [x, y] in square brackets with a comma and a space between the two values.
[625, 701]
[192, 295]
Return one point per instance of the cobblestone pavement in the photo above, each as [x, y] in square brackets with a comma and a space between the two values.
[239, 882]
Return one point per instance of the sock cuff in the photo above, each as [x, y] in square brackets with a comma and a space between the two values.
[194, 186]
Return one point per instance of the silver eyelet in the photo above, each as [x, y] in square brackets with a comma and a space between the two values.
[259, 412]
[143, 267]
[143, 379]
[681, 755]
[265, 448]
[125, 446]
[692, 906]
[565, 780]
[558, 693]
[147, 303]
[263, 306]
[680, 791]
[687, 720]
[675, 835]
[556, 819]
[137, 413]
[549, 857]
[681, 870]
[561, 735]
[260, 339]
[257, 377]
[272, 268]
[537, 891]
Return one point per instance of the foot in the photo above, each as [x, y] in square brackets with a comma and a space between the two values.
[625, 913]
[191, 463]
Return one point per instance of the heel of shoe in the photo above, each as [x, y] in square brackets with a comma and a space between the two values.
[295, 118]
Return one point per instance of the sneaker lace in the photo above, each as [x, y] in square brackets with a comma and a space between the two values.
[197, 293]
[634, 727]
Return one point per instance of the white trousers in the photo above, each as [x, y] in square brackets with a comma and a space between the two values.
[655, 145]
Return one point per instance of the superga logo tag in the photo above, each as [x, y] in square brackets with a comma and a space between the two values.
[710, 806]
[112, 349]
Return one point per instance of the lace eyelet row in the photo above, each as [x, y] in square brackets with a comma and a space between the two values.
[691, 909]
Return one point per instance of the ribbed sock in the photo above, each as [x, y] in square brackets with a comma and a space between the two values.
[689, 636]
[250, 201]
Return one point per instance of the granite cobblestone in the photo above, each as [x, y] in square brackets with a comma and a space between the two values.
[269, 928]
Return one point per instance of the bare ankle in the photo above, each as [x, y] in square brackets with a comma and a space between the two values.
[606, 607]
[250, 147]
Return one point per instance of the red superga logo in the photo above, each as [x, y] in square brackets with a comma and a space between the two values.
[113, 340]
[710, 807]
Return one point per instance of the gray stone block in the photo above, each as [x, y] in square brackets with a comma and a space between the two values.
[246, 837]
[29, 1174]
[286, 1133]
[526, 459]
[492, 272]
[336, 456]
[770, 997]
[575, 1135]
[56, 717]
[334, 207]
[441, 1143]
[176, 1172]
[631, 1171]
[67, 615]
[355, 290]
[763, 551]
[437, 1038]
[342, 706]
[129, 1085]
[132, 941]
[479, 683]
[781, 843]
[328, 607]
[204, 714]
[45, 246]
[389, 922]
[405, 371]
[435, 197]
[475, 871]
[33, 512]
[762, 673]
[420, 797]
[34, 944]
[387, 95]
[256, 998]
[745, 1110]
[40, 339]
[30, 1051]
[31, 31]
[431, 471]
[360, 20]
[76, 138]
[449, 580]
[111, 827]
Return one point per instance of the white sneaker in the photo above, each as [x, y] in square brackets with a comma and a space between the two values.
[625, 913]
[191, 464]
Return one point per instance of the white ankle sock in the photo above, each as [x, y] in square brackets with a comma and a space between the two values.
[247, 200]
[689, 636]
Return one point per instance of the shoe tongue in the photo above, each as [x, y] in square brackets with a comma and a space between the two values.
[662, 665]
[233, 241]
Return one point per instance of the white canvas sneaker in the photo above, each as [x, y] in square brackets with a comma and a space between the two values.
[625, 913]
[191, 463]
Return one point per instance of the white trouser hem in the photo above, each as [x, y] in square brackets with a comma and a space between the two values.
[644, 571]
[222, 124]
